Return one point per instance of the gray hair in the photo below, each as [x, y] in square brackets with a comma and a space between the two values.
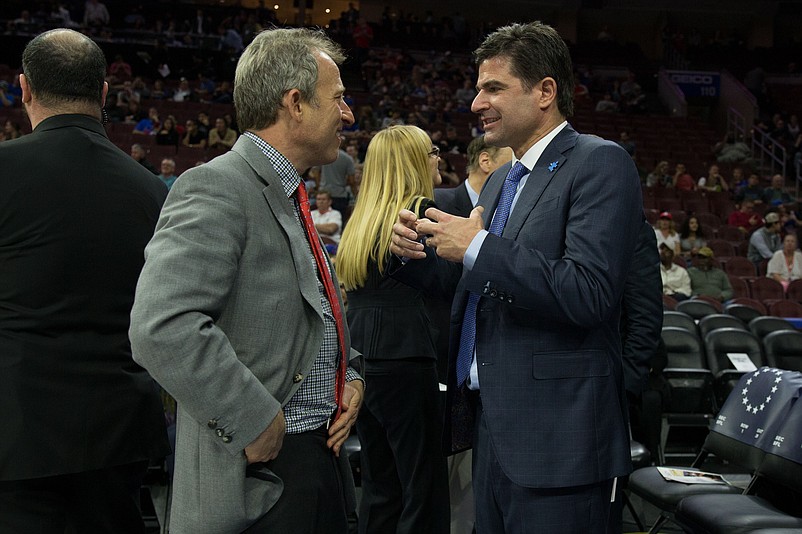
[275, 62]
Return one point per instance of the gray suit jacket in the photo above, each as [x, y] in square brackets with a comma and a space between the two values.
[228, 319]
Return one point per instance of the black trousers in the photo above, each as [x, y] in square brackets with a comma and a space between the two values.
[404, 473]
[313, 500]
[101, 501]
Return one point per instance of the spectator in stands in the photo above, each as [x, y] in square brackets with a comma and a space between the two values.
[362, 35]
[159, 91]
[786, 264]
[204, 125]
[659, 177]
[167, 133]
[128, 94]
[337, 177]
[222, 136]
[193, 138]
[714, 181]
[776, 193]
[625, 142]
[752, 191]
[467, 92]
[149, 125]
[139, 154]
[120, 70]
[691, 237]
[11, 90]
[7, 98]
[708, 280]
[96, 14]
[328, 222]
[454, 144]
[223, 93]
[11, 130]
[676, 282]
[167, 174]
[731, 150]
[745, 218]
[448, 173]
[666, 233]
[765, 241]
[184, 92]
[607, 104]
[682, 179]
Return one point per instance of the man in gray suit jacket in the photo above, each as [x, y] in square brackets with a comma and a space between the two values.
[232, 317]
[537, 299]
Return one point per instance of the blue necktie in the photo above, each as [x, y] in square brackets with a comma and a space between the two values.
[468, 335]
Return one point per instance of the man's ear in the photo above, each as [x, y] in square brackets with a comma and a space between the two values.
[485, 162]
[548, 92]
[26, 89]
[293, 103]
[103, 94]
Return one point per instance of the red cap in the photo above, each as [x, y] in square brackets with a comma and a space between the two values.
[666, 215]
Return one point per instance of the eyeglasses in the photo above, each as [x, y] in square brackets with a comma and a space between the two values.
[435, 152]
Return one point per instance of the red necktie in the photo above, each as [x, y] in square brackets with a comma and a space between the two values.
[331, 290]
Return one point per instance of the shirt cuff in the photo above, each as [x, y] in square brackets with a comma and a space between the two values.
[473, 249]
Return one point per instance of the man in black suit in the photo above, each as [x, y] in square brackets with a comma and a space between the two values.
[483, 159]
[82, 421]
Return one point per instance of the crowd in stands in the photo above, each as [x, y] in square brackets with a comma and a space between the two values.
[193, 117]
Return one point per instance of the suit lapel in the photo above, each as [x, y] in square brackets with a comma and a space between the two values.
[281, 207]
[546, 169]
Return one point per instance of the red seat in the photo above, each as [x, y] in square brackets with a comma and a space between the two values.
[721, 248]
[729, 233]
[766, 289]
[794, 291]
[740, 286]
[740, 266]
[786, 308]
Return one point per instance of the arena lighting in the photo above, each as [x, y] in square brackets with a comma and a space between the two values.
[328, 10]
[275, 7]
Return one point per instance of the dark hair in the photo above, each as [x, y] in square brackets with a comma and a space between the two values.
[685, 230]
[535, 51]
[64, 66]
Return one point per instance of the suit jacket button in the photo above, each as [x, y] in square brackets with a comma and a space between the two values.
[493, 293]
[212, 423]
[219, 432]
[297, 378]
[510, 299]
[226, 439]
[502, 297]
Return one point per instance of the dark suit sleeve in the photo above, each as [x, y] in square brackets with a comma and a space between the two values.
[582, 283]
[642, 312]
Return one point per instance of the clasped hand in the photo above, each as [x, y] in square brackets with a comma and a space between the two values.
[449, 235]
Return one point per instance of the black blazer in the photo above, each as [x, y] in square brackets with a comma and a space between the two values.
[75, 215]
[454, 200]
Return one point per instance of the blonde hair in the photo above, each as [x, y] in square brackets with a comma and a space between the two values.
[396, 175]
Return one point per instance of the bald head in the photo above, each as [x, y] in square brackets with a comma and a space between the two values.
[64, 69]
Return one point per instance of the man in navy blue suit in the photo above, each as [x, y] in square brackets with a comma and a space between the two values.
[537, 271]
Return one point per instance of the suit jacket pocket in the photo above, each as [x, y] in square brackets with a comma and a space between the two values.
[569, 364]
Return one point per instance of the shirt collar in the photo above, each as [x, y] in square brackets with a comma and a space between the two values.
[533, 154]
[290, 179]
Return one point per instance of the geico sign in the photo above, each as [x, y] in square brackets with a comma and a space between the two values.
[698, 79]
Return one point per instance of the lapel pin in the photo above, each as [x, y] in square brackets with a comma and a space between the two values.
[553, 165]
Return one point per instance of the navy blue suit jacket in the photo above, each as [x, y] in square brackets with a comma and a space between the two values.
[454, 200]
[548, 345]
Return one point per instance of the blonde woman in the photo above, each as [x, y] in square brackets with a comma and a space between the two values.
[404, 479]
